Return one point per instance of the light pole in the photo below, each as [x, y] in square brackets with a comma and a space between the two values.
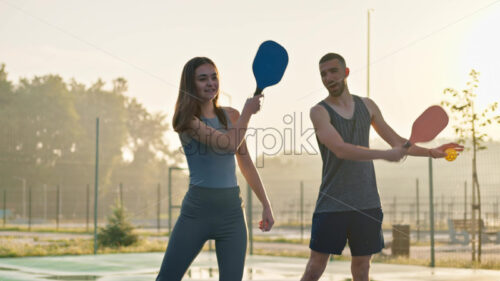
[23, 194]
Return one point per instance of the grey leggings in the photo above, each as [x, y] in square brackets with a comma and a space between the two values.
[208, 213]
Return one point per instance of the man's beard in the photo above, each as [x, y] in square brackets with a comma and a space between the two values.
[339, 91]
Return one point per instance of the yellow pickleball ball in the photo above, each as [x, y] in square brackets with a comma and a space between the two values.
[451, 154]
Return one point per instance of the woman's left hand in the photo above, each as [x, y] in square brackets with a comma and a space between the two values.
[267, 221]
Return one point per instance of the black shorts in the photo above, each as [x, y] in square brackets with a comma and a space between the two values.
[361, 229]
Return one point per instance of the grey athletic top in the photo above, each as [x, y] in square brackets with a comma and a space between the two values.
[209, 167]
[347, 185]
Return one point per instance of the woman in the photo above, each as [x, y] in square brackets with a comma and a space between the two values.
[212, 208]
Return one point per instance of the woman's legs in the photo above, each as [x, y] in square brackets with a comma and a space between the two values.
[208, 213]
[231, 246]
[186, 241]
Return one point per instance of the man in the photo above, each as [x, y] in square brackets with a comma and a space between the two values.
[348, 207]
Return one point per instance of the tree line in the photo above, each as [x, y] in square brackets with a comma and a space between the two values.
[48, 134]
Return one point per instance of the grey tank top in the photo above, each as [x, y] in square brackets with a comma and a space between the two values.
[208, 166]
[347, 185]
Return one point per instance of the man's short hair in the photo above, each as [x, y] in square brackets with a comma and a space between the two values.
[333, 56]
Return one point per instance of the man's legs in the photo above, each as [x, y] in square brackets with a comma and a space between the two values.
[315, 266]
[365, 239]
[328, 236]
[360, 268]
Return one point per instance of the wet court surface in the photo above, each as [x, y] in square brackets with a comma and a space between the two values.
[138, 267]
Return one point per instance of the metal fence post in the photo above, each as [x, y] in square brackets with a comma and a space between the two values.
[431, 213]
[418, 212]
[29, 208]
[96, 183]
[159, 208]
[301, 211]
[88, 208]
[58, 205]
[4, 207]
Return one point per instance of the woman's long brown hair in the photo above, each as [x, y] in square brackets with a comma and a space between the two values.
[188, 102]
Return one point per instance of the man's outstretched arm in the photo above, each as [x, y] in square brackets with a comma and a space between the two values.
[394, 140]
[330, 137]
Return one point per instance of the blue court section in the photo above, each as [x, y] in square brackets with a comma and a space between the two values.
[138, 267]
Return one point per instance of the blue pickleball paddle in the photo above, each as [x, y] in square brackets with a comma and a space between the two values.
[269, 65]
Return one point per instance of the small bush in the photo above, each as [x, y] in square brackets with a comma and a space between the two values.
[118, 232]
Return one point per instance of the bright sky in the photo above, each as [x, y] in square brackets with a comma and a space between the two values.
[418, 48]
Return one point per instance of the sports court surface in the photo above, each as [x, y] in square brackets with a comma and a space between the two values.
[138, 267]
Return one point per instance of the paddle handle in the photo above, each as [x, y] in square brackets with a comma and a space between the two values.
[257, 92]
[407, 144]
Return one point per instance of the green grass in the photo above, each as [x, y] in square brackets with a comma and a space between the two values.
[47, 230]
[60, 247]
[280, 240]
[68, 230]
[450, 262]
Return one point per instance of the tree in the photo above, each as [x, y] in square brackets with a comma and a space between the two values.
[148, 154]
[40, 125]
[470, 130]
[48, 136]
[109, 106]
[5, 85]
[118, 232]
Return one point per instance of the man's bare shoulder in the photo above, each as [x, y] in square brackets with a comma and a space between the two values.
[371, 105]
[318, 112]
